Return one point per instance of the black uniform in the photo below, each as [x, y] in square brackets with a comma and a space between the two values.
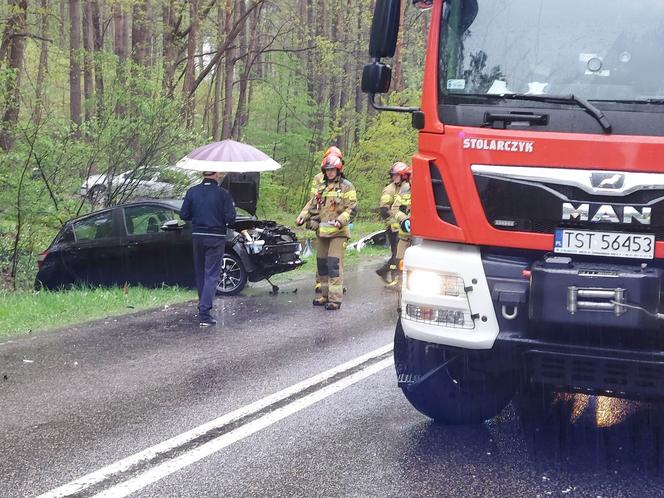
[210, 210]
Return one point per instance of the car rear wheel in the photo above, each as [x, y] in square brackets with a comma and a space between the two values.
[233, 276]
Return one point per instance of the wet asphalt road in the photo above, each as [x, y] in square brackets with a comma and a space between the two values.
[75, 400]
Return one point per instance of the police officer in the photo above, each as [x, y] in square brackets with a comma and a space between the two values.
[210, 210]
[398, 174]
[316, 183]
[400, 212]
[329, 213]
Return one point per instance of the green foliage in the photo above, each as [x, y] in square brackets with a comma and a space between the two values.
[389, 139]
[279, 125]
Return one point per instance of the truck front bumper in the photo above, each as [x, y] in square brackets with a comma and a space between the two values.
[519, 308]
[589, 369]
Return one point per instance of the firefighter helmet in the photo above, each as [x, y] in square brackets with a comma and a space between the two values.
[332, 162]
[333, 151]
[401, 169]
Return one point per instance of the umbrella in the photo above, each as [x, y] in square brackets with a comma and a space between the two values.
[228, 156]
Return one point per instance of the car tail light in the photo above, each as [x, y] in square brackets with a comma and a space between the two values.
[41, 258]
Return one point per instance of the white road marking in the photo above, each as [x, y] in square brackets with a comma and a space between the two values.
[169, 467]
[152, 452]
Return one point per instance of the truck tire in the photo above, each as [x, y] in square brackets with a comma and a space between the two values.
[458, 393]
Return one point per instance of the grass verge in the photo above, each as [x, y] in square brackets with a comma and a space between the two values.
[23, 312]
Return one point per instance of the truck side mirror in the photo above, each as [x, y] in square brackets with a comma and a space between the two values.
[376, 78]
[385, 28]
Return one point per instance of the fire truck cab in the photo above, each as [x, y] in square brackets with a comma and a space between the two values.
[537, 203]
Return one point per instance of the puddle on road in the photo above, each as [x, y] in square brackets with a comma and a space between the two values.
[606, 411]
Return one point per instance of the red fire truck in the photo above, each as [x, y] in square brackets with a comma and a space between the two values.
[537, 202]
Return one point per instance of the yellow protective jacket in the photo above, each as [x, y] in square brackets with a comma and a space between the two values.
[332, 201]
[316, 183]
[385, 207]
[401, 208]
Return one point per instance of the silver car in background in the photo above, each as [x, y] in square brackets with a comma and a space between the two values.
[147, 182]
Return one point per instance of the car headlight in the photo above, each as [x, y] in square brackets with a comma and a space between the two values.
[432, 283]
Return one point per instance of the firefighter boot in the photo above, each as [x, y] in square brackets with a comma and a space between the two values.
[384, 272]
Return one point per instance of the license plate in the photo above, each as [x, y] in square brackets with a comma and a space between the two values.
[611, 244]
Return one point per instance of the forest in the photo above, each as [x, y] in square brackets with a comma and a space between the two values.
[108, 86]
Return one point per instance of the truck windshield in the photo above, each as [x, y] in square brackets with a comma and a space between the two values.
[595, 49]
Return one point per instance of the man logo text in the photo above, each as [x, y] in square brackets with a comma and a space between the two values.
[606, 213]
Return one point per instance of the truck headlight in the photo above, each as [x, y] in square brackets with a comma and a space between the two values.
[432, 283]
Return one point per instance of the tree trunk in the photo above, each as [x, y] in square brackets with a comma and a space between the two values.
[120, 49]
[171, 50]
[190, 68]
[16, 23]
[335, 21]
[43, 63]
[229, 66]
[98, 44]
[74, 62]
[120, 34]
[63, 21]
[398, 82]
[309, 41]
[218, 80]
[140, 34]
[88, 48]
[321, 79]
[246, 66]
[360, 43]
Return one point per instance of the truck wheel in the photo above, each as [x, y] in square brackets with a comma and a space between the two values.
[233, 276]
[468, 390]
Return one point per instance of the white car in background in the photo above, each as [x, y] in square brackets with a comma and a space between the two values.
[148, 182]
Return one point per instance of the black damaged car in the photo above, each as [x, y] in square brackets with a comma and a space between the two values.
[145, 243]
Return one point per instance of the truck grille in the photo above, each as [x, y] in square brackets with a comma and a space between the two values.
[514, 205]
[597, 375]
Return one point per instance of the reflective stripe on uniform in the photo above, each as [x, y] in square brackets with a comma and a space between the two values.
[344, 218]
[327, 229]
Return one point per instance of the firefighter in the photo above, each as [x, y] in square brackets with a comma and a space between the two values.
[401, 213]
[399, 173]
[329, 212]
[316, 183]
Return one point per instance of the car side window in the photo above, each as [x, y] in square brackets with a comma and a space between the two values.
[66, 236]
[142, 220]
[95, 228]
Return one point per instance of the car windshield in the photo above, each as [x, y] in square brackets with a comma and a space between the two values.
[595, 49]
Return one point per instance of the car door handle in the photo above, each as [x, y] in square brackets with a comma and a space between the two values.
[131, 244]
